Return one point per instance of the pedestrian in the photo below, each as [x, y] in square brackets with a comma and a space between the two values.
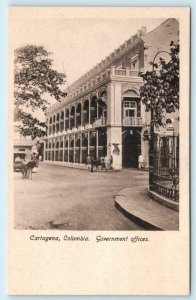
[33, 156]
[97, 163]
[88, 161]
[102, 163]
[141, 162]
[107, 162]
[111, 161]
[24, 167]
[92, 164]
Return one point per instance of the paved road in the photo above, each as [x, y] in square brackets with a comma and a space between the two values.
[72, 199]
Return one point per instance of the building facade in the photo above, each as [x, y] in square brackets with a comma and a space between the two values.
[102, 113]
[24, 146]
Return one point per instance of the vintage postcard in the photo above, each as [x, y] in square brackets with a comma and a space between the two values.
[98, 154]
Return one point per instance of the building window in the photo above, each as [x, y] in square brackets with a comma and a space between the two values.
[130, 104]
[134, 65]
[130, 109]
[135, 62]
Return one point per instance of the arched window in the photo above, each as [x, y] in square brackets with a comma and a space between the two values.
[78, 114]
[93, 109]
[67, 119]
[86, 112]
[72, 117]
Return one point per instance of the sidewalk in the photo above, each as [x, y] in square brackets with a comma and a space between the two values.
[135, 204]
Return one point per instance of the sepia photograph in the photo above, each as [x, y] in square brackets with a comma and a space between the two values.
[98, 154]
[96, 124]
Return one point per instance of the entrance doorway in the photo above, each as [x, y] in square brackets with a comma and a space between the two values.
[131, 147]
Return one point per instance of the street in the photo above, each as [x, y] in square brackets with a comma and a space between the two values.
[72, 199]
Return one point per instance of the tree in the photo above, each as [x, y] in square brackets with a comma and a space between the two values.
[160, 91]
[35, 81]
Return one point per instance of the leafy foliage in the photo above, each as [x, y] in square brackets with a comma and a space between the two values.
[34, 81]
[160, 92]
[31, 125]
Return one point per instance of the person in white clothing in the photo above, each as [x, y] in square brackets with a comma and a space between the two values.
[141, 162]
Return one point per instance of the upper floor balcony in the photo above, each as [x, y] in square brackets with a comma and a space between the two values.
[87, 85]
[132, 121]
[100, 122]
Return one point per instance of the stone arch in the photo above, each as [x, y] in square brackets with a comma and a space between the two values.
[77, 148]
[86, 111]
[62, 120]
[71, 149]
[131, 88]
[84, 147]
[49, 150]
[54, 124]
[93, 108]
[79, 114]
[72, 116]
[102, 103]
[50, 125]
[57, 121]
[102, 90]
[66, 145]
[67, 118]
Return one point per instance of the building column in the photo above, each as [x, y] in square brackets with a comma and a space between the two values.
[64, 119]
[89, 112]
[97, 110]
[88, 142]
[74, 154]
[114, 145]
[81, 114]
[68, 149]
[114, 120]
[63, 158]
[69, 119]
[45, 150]
[97, 143]
[75, 117]
[145, 150]
[48, 126]
[81, 148]
[54, 148]
[51, 149]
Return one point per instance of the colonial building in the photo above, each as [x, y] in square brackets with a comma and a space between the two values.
[23, 145]
[102, 113]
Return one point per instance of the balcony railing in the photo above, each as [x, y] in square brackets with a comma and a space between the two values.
[126, 72]
[88, 126]
[132, 121]
[100, 122]
[134, 73]
[121, 72]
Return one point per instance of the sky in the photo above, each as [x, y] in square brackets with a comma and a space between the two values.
[77, 44]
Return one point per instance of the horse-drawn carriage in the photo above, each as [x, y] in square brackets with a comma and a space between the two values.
[29, 167]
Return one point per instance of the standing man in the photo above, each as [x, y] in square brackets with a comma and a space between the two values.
[88, 160]
[141, 162]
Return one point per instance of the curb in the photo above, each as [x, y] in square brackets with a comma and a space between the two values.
[136, 219]
[164, 201]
